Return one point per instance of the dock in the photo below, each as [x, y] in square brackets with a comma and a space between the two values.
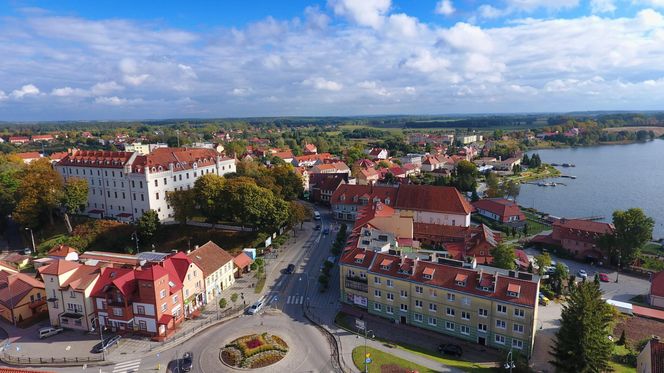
[592, 218]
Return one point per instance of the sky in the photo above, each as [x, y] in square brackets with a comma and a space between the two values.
[102, 60]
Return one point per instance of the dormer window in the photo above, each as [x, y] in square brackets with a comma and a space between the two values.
[343, 197]
[359, 258]
[428, 273]
[461, 279]
[513, 290]
[385, 264]
[387, 201]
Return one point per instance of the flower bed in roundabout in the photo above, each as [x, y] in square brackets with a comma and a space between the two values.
[254, 351]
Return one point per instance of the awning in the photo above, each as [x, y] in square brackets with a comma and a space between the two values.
[386, 262]
[70, 315]
[165, 319]
[514, 288]
[96, 212]
[429, 271]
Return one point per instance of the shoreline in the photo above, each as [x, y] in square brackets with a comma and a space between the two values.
[606, 143]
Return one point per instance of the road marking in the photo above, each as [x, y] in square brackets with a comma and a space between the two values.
[127, 366]
[295, 299]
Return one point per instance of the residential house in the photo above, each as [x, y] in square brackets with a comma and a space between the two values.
[46, 138]
[367, 176]
[501, 210]
[57, 156]
[415, 159]
[378, 153]
[656, 296]
[365, 163]
[349, 199]
[191, 277]
[68, 287]
[309, 160]
[651, 358]
[287, 156]
[460, 243]
[507, 164]
[433, 204]
[330, 168]
[16, 259]
[22, 297]
[217, 266]
[324, 185]
[242, 262]
[29, 157]
[467, 139]
[19, 140]
[310, 149]
[64, 252]
[432, 163]
[578, 237]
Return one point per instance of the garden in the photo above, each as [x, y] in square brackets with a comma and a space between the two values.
[254, 351]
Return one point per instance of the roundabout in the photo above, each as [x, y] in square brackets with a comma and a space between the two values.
[254, 351]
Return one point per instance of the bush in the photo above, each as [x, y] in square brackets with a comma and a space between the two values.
[222, 303]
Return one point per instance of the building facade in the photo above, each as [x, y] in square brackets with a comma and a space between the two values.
[217, 267]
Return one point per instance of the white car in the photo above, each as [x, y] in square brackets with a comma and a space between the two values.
[255, 308]
[49, 331]
[583, 274]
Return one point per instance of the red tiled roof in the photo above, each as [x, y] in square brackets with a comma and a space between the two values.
[657, 284]
[242, 260]
[284, 155]
[15, 286]
[584, 225]
[432, 198]
[313, 157]
[310, 148]
[61, 251]
[177, 265]
[96, 158]
[122, 278]
[57, 156]
[151, 273]
[58, 267]
[180, 158]
[28, 155]
[648, 312]
[502, 207]
[350, 191]
[210, 257]
[82, 277]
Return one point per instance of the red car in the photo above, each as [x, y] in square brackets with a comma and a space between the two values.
[604, 277]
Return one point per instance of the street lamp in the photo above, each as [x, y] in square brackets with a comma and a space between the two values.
[134, 236]
[366, 334]
[509, 364]
[32, 236]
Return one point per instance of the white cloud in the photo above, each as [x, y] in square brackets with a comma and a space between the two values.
[26, 90]
[423, 61]
[104, 88]
[116, 101]
[400, 25]
[374, 87]
[653, 3]
[363, 12]
[532, 5]
[602, 6]
[445, 7]
[650, 18]
[490, 12]
[241, 92]
[3, 95]
[135, 79]
[69, 92]
[322, 84]
[464, 36]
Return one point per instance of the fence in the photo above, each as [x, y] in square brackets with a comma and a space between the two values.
[212, 225]
[49, 360]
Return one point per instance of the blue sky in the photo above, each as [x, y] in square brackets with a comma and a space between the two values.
[134, 60]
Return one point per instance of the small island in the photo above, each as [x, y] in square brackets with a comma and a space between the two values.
[254, 351]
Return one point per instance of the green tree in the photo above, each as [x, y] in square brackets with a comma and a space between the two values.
[559, 275]
[183, 203]
[493, 185]
[511, 189]
[581, 344]
[223, 303]
[148, 225]
[297, 213]
[75, 194]
[542, 261]
[234, 297]
[289, 181]
[209, 196]
[503, 256]
[633, 229]
[10, 168]
[39, 193]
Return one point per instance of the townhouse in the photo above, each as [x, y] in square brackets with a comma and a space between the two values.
[22, 297]
[191, 277]
[123, 185]
[217, 267]
[484, 305]
[578, 237]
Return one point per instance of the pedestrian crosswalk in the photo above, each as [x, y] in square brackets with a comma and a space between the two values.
[295, 299]
[127, 366]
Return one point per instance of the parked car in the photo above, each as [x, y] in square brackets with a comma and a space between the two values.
[255, 308]
[316, 215]
[49, 331]
[543, 301]
[326, 231]
[106, 344]
[604, 277]
[187, 362]
[583, 274]
[450, 349]
[317, 227]
[290, 269]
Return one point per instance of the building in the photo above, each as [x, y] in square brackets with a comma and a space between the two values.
[460, 243]
[143, 149]
[22, 297]
[367, 176]
[433, 204]
[483, 305]
[29, 156]
[579, 237]
[324, 185]
[310, 149]
[68, 287]
[309, 160]
[467, 139]
[656, 296]
[651, 358]
[349, 199]
[330, 168]
[507, 164]
[19, 140]
[242, 262]
[123, 185]
[46, 138]
[501, 210]
[287, 156]
[378, 153]
[432, 163]
[217, 267]
[191, 277]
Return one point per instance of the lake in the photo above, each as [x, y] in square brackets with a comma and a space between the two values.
[609, 177]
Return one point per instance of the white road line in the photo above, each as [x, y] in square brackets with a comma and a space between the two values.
[289, 299]
[127, 366]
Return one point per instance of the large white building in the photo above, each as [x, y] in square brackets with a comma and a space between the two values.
[123, 185]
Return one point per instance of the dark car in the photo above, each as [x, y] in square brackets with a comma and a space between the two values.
[317, 227]
[290, 269]
[105, 344]
[450, 349]
[187, 362]
[326, 231]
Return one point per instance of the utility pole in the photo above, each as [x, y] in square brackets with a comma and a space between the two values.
[509, 364]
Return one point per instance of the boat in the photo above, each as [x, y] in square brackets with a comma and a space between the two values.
[568, 165]
[555, 164]
[546, 184]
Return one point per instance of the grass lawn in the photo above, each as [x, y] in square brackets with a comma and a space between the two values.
[534, 226]
[621, 368]
[381, 361]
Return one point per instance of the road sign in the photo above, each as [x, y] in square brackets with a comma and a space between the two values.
[367, 360]
[360, 324]
[368, 354]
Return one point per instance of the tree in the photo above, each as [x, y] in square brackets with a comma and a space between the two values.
[10, 168]
[465, 176]
[474, 197]
[503, 256]
[622, 340]
[288, 180]
[223, 303]
[525, 160]
[183, 203]
[511, 188]
[209, 196]
[234, 297]
[633, 229]
[493, 185]
[148, 225]
[543, 261]
[40, 192]
[297, 213]
[75, 194]
[581, 344]
[560, 274]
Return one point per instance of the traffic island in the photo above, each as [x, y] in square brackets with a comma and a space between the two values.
[253, 351]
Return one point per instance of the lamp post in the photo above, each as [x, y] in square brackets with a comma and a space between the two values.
[366, 334]
[134, 236]
[32, 237]
[509, 364]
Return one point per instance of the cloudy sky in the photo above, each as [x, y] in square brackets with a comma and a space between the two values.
[119, 60]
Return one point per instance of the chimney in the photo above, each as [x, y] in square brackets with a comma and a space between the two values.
[196, 247]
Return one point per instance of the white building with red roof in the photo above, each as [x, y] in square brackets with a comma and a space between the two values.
[29, 157]
[501, 210]
[123, 185]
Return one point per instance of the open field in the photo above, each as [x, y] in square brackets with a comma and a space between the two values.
[659, 131]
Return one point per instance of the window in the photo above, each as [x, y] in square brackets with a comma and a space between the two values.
[418, 289]
[162, 294]
[165, 183]
[377, 280]
[483, 312]
[142, 325]
[389, 310]
[163, 307]
[378, 307]
[175, 298]
[157, 195]
[390, 296]
[450, 312]
[433, 321]
[390, 283]
[519, 312]
[117, 311]
[518, 328]
[377, 294]
[156, 182]
[481, 328]
[517, 343]
[140, 310]
[465, 329]
[433, 293]
[418, 317]
[501, 308]
[465, 301]
[449, 325]
[418, 303]
[72, 294]
[500, 324]
[500, 339]
[451, 297]
[404, 294]
[404, 307]
[465, 315]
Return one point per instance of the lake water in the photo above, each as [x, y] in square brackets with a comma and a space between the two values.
[609, 177]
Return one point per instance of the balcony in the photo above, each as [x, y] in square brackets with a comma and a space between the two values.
[356, 283]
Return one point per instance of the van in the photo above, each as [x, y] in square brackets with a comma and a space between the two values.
[316, 215]
[48, 331]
